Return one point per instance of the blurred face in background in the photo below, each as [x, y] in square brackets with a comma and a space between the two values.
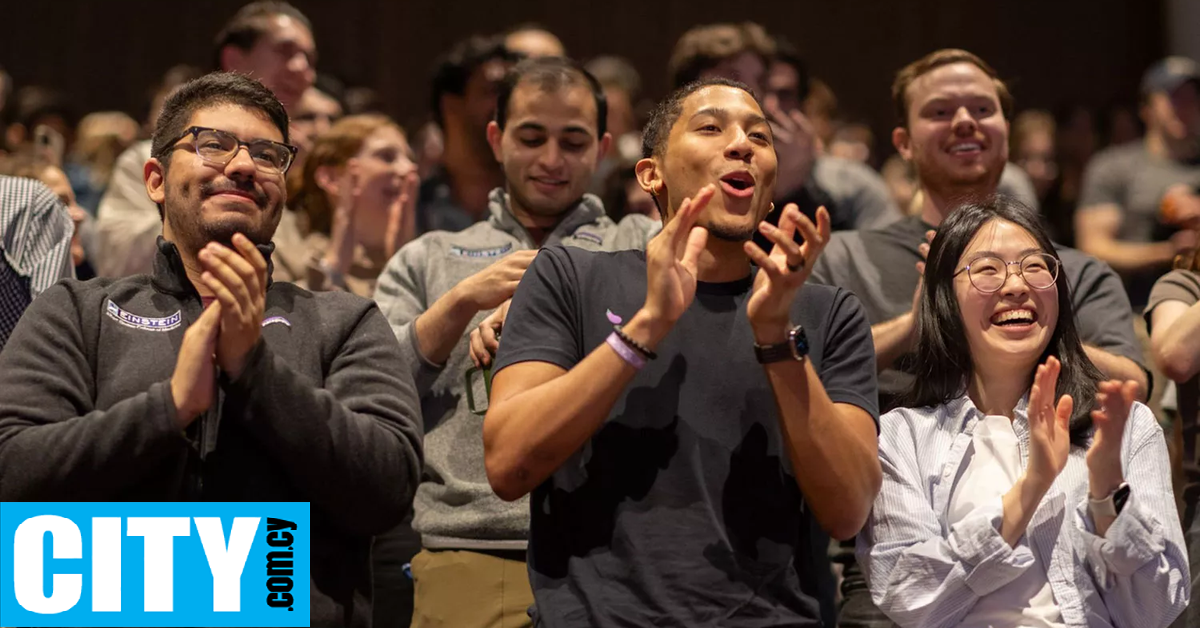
[745, 67]
[1076, 138]
[783, 86]
[284, 58]
[57, 181]
[1035, 155]
[315, 113]
[535, 42]
[1176, 115]
[470, 112]
[383, 163]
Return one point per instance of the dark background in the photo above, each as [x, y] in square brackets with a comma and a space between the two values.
[107, 54]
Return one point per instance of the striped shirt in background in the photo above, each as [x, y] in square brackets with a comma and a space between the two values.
[923, 572]
[35, 246]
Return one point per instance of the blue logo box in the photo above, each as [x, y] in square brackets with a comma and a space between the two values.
[154, 564]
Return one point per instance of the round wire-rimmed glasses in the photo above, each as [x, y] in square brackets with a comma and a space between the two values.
[989, 273]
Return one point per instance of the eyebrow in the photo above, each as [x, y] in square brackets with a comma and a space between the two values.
[534, 126]
[720, 112]
[979, 254]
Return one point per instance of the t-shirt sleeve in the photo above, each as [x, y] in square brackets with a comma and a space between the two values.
[1103, 313]
[869, 196]
[847, 365]
[836, 255]
[1177, 285]
[543, 323]
[1102, 183]
[1015, 182]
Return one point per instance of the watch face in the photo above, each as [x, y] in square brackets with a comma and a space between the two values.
[799, 342]
[1120, 496]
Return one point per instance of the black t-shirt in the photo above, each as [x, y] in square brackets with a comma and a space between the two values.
[879, 266]
[683, 509]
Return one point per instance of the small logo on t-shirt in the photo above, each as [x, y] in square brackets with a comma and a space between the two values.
[612, 318]
[143, 322]
[587, 235]
[495, 251]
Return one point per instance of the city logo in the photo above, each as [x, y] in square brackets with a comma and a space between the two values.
[154, 564]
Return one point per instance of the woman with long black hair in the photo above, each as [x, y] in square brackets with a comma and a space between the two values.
[1019, 489]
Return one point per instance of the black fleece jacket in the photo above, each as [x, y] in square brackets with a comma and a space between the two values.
[325, 412]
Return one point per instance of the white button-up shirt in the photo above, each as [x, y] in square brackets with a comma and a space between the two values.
[924, 572]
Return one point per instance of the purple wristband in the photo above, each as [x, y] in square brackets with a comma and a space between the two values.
[627, 353]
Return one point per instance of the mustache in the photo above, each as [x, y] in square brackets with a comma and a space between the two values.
[213, 188]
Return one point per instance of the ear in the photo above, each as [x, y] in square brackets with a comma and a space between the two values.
[494, 137]
[451, 105]
[903, 142]
[605, 145]
[154, 175]
[649, 176]
[328, 179]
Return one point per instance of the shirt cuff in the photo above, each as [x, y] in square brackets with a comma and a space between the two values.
[1134, 539]
[989, 561]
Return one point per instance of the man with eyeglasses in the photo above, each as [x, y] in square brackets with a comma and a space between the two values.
[952, 126]
[206, 380]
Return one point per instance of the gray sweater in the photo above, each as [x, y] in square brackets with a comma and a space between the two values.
[455, 506]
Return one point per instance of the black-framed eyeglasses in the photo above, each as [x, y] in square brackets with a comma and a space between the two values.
[988, 274]
[218, 147]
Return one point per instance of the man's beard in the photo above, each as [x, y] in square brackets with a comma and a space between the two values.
[194, 232]
[932, 176]
[730, 233]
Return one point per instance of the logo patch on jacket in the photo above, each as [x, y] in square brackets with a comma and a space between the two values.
[495, 251]
[589, 236]
[143, 322]
[276, 319]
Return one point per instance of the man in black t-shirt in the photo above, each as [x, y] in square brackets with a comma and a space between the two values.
[678, 462]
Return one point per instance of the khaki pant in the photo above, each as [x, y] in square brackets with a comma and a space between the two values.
[464, 589]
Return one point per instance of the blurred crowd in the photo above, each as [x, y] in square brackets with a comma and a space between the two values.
[92, 160]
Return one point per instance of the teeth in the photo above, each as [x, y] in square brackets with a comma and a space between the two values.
[1014, 315]
[962, 148]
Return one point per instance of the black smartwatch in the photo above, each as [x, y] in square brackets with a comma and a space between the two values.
[1112, 504]
[794, 348]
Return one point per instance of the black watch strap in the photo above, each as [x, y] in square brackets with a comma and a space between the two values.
[795, 347]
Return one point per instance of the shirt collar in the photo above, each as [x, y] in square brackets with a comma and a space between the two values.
[964, 408]
[588, 209]
[170, 276]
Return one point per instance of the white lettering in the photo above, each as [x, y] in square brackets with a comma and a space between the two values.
[65, 542]
[227, 563]
[160, 533]
[106, 564]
